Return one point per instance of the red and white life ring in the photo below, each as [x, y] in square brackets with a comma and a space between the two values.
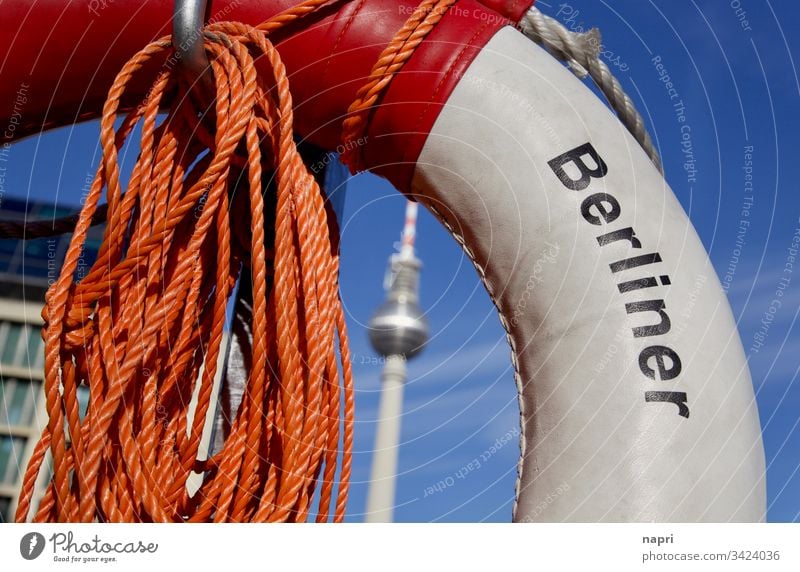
[519, 160]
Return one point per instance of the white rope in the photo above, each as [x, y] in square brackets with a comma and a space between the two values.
[582, 53]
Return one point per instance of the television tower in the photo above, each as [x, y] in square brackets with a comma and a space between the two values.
[398, 331]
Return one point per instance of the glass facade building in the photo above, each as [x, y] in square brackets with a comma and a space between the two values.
[27, 268]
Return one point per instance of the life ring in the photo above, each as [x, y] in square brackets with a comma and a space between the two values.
[634, 388]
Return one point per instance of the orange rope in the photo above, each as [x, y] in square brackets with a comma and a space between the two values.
[144, 328]
[394, 56]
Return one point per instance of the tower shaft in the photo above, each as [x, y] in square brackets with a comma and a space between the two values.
[381, 496]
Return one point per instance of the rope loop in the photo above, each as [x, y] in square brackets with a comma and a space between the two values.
[144, 328]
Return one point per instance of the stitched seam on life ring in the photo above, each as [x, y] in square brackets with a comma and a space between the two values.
[442, 82]
[339, 39]
[514, 355]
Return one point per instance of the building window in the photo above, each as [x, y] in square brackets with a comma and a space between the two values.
[11, 451]
[18, 399]
[5, 504]
[21, 345]
[34, 354]
[10, 341]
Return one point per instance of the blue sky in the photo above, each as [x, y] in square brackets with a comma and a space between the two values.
[740, 88]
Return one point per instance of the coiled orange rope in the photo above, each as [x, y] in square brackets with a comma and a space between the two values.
[144, 328]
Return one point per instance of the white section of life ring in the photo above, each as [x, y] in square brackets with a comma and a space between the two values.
[598, 319]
